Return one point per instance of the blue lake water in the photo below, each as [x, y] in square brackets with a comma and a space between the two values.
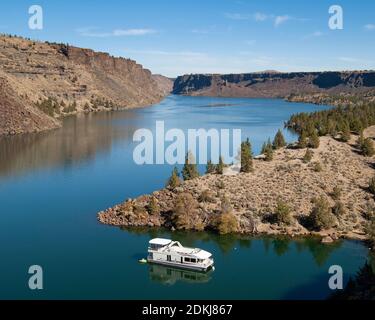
[53, 184]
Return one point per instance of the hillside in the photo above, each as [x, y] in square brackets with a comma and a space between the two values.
[59, 79]
[273, 84]
[253, 196]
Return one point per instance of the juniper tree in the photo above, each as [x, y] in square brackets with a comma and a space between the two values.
[190, 171]
[279, 141]
[220, 166]
[246, 157]
[345, 135]
[321, 216]
[314, 141]
[210, 167]
[269, 151]
[174, 181]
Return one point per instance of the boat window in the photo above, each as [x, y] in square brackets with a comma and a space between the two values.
[193, 260]
[187, 259]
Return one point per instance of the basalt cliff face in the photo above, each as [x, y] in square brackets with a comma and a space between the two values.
[275, 84]
[41, 82]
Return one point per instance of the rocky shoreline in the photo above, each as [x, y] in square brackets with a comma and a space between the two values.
[253, 196]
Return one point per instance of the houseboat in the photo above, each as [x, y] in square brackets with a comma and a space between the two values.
[172, 253]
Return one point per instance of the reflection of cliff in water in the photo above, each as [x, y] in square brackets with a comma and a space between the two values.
[79, 140]
[169, 276]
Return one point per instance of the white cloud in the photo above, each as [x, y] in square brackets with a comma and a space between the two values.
[261, 17]
[92, 32]
[258, 16]
[281, 19]
[370, 26]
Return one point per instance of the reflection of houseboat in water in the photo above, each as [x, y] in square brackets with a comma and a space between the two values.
[169, 276]
[172, 253]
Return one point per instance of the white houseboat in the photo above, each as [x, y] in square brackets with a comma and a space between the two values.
[172, 253]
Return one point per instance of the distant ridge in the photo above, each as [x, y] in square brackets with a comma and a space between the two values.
[274, 84]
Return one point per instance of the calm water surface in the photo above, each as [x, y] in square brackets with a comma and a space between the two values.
[53, 184]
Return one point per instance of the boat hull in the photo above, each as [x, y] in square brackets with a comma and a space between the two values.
[181, 265]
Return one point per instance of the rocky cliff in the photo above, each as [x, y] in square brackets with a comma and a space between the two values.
[275, 84]
[41, 81]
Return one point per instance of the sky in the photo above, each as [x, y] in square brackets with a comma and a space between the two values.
[174, 37]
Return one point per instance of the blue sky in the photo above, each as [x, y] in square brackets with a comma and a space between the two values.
[174, 37]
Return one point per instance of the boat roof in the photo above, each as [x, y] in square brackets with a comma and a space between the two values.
[160, 241]
[193, 252]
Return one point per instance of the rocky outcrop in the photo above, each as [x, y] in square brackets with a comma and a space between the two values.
[61, 79]
[275, 84]
[253, 196]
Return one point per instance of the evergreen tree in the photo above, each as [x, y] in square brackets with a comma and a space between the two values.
[246, 157]
[279, 141]
[269, 151]
[190, 171]
[302, 140]
[361, 140]
[210, 168]
[174, 181]
[314, 140]
[220, 166]
[345, 135]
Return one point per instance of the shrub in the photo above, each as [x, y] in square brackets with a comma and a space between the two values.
[282, 213]
[339, 209]
[227, 223]
[367, 148]
[174, 181]
[279, 141]
[246, 157]
[153, 207]
[317, 167]
[220, 184]
[336, 193]
[321, 217]
[190, 171]
[308, 156]
[185, 211]
[206, 196]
